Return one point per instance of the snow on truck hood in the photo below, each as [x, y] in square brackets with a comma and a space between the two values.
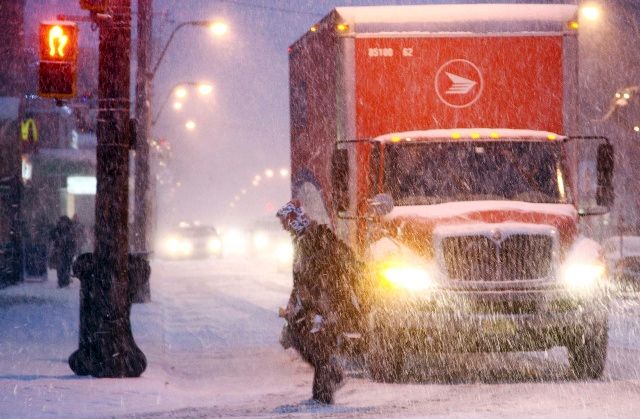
[415, 225]
[451, 209]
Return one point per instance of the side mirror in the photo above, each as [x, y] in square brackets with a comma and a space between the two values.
[599, 210]
[381, 204]
[605, 165]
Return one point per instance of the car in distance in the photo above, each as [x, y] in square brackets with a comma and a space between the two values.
[268, 240]
[190, 241]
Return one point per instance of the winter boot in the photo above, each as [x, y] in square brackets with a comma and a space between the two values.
[327, 379]
[322, 386]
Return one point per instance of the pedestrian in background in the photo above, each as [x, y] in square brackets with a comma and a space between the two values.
[64, 248]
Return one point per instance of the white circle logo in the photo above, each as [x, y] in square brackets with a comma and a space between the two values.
[459, 83]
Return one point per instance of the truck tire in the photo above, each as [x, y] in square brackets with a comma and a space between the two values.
[385, 356]
[588, 351]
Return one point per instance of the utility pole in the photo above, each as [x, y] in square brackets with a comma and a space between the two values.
[142, 200]
[107, 347]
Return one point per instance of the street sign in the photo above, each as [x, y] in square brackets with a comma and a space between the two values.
[98, 6]
[28, 136]
[57, 71]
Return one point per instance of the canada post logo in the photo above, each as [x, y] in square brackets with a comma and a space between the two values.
[459, 83]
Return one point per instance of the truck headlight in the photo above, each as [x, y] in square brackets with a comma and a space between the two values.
[409, 277]
[583, 277]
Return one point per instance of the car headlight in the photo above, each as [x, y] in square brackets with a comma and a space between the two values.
[172, 245]
[234, 241]
[583, 277]
[214, 245]
[407, 276]
[175, 246]
[260, 241]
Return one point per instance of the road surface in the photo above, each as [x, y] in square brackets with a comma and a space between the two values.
[211, 338]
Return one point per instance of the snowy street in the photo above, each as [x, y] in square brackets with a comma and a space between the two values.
[211, 339]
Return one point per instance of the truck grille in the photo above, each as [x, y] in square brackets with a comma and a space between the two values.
[478, 258]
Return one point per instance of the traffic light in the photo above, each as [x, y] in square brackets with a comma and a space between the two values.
[98, 6]
[58, 59]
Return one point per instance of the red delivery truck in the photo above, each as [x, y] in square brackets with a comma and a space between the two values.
[437, 141]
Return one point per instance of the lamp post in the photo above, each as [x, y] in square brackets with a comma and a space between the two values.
[142, 198]
[218, 28]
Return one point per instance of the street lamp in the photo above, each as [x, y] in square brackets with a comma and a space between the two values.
[205, 89]
[217, 28]
[590, 12]
[144, 81]
[190, 125]
[180, 91]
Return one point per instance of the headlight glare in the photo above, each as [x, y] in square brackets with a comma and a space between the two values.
[214, 245]
[260, 241]
[284, 252]
[172, 245]
[583, 276]
[412, 278]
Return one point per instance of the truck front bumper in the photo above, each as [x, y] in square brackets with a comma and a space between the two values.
[487, 321]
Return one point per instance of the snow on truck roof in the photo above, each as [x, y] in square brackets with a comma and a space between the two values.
[470, 134]
[450, 13]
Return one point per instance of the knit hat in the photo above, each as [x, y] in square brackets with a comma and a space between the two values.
[293, 216]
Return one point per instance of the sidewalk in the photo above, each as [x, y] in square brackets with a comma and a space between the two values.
[193, 362]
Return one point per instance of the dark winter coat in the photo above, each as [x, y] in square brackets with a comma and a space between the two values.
[326, 278]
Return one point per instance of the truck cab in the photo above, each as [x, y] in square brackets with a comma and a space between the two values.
[473, 245]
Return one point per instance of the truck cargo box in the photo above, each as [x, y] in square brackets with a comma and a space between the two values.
[367, 71]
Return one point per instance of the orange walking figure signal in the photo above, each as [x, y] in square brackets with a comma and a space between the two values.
[58, 40]
[58, 59]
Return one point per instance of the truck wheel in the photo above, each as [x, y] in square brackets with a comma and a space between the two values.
[385, 357]
[588, 351]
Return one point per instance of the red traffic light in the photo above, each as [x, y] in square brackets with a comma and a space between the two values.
[58, 41]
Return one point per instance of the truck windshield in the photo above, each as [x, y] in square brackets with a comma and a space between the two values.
[432, 173]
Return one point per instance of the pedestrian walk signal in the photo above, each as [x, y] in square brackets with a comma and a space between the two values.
[58, 59]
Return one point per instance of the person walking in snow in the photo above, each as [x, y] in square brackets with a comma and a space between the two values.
[323, 303]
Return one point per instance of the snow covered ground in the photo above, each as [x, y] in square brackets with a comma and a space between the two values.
[211, 339]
